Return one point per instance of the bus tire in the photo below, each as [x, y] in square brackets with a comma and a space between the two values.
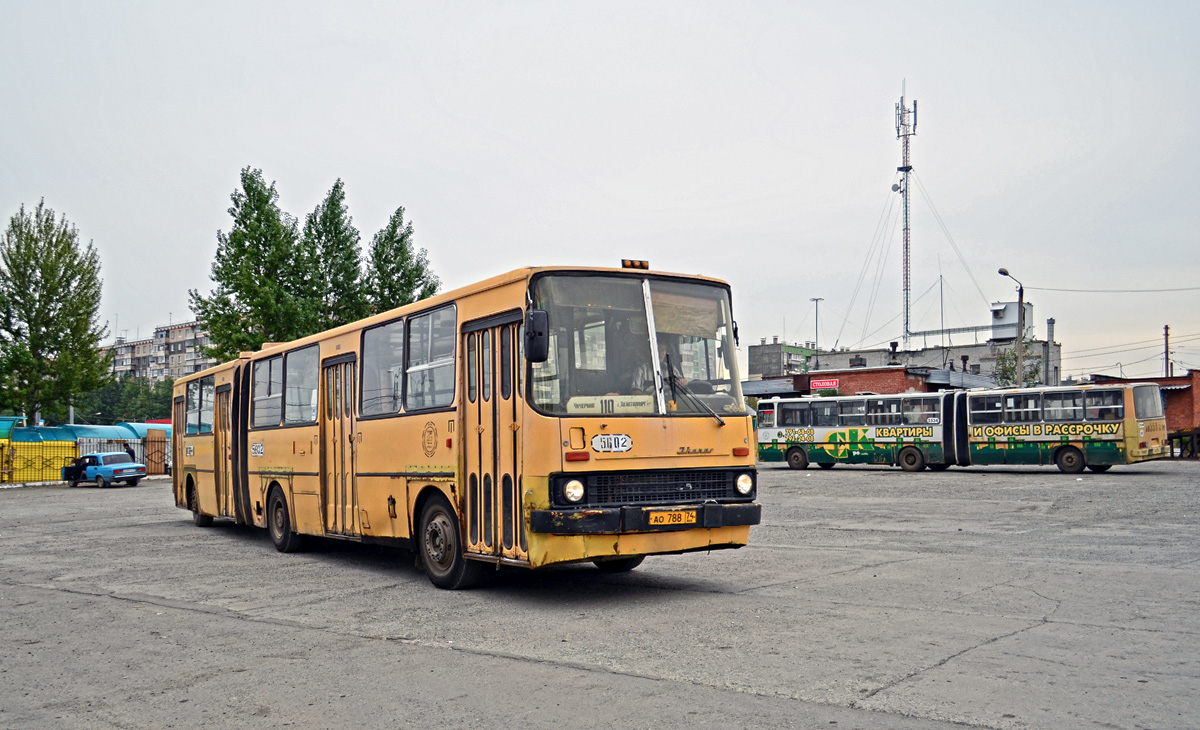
[826, 464]
[440, 545]
[1099, 468]
[619, 565]
[198, 519]
[797, 459]
[279, 524]
[1069, 460]
[911, 459]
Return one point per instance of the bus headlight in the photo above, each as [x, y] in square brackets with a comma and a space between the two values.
[573, 490]
[745, 483]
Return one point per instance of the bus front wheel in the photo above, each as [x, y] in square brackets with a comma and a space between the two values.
[279, 524]
[797, 459]
[1069, 460]
[441, 547]
[912, 459]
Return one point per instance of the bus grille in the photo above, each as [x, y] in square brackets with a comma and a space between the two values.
[660, 487]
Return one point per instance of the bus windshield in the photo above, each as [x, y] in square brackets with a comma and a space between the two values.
[630, 345]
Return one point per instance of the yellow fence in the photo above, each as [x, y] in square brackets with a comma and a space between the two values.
[34, 461]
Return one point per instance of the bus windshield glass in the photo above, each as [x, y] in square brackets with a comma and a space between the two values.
[604, 331]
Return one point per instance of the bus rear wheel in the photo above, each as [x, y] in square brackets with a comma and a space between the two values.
[194, 505]
[1069, 460]
[441, 547]
[1098, 468]
[279, 524]
[797, 459]
[911, 459]
[619, 565]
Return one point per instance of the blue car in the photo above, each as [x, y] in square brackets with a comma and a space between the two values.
[103, 469]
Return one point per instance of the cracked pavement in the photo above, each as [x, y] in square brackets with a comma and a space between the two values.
[869, 597]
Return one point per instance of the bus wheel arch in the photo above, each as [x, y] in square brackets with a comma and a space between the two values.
[193, 502]
[910, 458]
[439, 543]
[279, 521]
[1069, 460]
[796, 458]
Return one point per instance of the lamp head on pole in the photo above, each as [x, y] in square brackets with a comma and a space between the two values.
[1003, 271]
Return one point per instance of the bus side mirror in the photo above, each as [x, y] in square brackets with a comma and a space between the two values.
[537, 335]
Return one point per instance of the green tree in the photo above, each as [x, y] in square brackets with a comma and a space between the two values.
[265, 281]
[397, 273]
[1005, 371]
[127, 399]
[331, 238]
[50, 328]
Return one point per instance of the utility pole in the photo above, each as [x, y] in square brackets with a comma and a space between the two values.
[1166, 350]
[906, 126]
[817, 331]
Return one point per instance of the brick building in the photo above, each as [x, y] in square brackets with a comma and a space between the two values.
[857, 380]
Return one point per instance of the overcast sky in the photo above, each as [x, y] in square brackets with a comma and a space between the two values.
[750, 141]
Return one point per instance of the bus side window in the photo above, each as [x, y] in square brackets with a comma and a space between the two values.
[883, 411]
[1104, 405]
[825, 414]
[1063, 406]
[852, 413]
[792, 415]
[985, 408]
[766, 417]
[1023, 408]
[921, 411]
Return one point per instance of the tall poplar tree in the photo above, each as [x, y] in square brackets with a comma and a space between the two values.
[50, 328]
[397, 272]
[264, 276]
[331, 238]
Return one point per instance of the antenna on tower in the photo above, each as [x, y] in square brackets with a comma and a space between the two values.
[906, 126]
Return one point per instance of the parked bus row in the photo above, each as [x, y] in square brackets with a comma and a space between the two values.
[1088, 426]
[543, 416]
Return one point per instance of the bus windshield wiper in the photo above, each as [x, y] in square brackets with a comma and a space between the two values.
[678, 387]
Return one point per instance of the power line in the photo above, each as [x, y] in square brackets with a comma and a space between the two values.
[1156, 340]
[1105, 353]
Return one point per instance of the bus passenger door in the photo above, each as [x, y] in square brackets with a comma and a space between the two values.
[221, 452]
[493, 510]
[339, 490]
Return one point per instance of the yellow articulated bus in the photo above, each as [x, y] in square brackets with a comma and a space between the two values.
[544, 416]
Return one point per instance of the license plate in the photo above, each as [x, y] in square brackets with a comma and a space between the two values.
[674, 517]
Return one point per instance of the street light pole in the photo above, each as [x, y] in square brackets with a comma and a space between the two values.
[817, 331]
[1020, 328]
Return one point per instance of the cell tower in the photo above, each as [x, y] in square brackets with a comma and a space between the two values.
[906, 126]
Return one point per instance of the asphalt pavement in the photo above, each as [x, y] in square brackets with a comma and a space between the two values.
[868, 598]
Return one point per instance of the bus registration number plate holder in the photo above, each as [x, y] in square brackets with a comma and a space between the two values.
[669, 518]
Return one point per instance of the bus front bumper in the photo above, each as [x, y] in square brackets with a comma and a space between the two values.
[660, 518]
